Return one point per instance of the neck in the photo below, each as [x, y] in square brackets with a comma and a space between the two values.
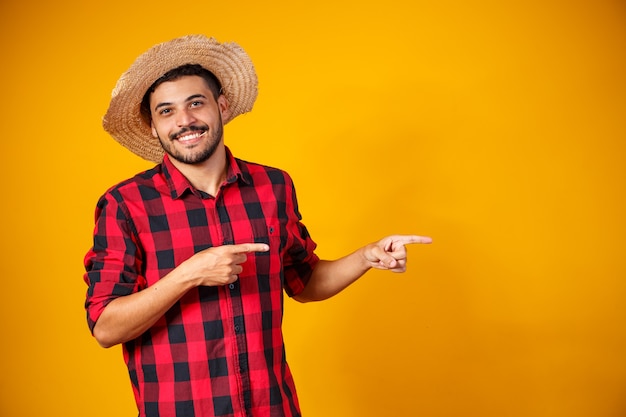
[207, 176]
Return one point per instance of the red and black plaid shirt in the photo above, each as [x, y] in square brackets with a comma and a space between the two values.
[219, 350]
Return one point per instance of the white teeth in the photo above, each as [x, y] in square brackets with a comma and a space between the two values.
[192, 136]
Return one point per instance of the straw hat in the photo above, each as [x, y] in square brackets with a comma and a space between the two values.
[227, 61]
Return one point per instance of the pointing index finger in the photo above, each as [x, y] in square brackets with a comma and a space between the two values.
[250, 247]
[420, 239]
[408, 239]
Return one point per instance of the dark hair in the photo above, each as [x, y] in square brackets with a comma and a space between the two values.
[184, 70]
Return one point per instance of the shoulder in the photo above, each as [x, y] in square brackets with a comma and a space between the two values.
[136, 187]
[260, 174]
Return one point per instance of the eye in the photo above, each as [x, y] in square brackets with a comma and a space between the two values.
[195, 103]
[164, 111]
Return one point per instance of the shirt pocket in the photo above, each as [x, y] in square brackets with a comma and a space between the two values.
[267, 231]
[265, 266]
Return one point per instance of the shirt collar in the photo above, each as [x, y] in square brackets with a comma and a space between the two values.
[179, 184]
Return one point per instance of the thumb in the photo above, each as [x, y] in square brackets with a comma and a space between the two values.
[388, 261]
[381, 257]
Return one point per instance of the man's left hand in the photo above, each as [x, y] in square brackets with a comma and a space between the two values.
[390, 252]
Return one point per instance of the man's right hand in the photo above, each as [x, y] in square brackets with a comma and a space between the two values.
[219, 265]
[127, 317]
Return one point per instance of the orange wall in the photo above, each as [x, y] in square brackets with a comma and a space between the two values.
[498, 128]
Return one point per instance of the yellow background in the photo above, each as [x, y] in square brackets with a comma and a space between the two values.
[497, 128]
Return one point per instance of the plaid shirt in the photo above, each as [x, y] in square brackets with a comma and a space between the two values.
[219, 350]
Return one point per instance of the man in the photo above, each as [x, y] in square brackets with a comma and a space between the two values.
[190, 258]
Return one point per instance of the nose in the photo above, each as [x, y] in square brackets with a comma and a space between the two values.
[184, 118]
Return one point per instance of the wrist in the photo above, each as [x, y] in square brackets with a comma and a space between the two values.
[367, 260]
[183, 277]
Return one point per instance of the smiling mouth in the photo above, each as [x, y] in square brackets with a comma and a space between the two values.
[190, 136]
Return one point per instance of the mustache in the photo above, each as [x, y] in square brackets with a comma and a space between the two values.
[186, 129]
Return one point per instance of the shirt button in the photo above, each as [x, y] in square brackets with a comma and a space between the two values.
[236, 329]
[231, 286]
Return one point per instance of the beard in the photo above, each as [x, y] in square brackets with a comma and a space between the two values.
[202, 152]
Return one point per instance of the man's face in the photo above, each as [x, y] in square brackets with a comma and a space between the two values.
[187, 119]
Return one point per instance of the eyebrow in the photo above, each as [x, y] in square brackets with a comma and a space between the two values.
[190, 98]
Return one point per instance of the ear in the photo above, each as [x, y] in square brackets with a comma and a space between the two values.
[224, 106]
[154, 132]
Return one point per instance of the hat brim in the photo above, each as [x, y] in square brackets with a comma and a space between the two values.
[227, 61]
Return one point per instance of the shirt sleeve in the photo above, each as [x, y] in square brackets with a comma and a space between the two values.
[300, 258]
[113, 264]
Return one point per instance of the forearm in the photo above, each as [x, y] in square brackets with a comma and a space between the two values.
[126, 318]
[331, 277]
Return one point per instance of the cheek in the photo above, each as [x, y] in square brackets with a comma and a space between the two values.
[156, 130]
